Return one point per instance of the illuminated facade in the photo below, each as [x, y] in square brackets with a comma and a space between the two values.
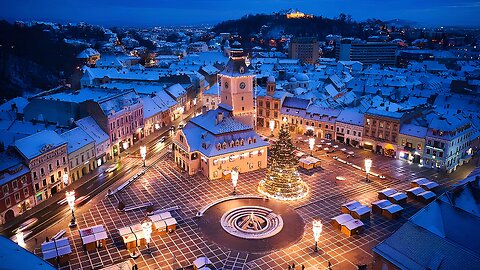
[298, 15]
[221, 140]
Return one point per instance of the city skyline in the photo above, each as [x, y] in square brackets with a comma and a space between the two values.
[187, 12]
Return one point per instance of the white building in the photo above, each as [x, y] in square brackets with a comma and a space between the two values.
[448, 143]
[81, 152]
[101, 139]
[211, 98]
[349, 125]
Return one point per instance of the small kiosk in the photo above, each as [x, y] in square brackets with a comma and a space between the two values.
[57, 251]
[93, 237]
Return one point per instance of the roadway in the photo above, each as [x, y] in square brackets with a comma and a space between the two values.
[130, 163]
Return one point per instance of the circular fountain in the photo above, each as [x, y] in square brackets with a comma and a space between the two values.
[251, 222]
[254, 225]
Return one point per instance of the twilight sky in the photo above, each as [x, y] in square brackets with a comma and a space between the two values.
[183, 12]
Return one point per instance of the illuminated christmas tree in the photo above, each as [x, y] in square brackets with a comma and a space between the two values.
[282, 180]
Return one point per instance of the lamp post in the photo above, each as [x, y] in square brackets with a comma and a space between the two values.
[20, 238]
[234, 175]
[71, 202]
[311, 144]
[272, 126]
[317, 230]
[147, 232]
[143, 153]
[368, 165]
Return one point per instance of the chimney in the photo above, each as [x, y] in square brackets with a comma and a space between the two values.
[204, 110]
[219, 117]
[271, 87]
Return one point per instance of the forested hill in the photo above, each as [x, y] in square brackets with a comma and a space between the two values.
[270, 26]
[38, 56]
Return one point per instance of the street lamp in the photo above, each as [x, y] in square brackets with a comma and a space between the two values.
[20, 238]
[317, 230]
[147, 232]
[71, 202]
[272, 126]
[234, 175]
[311, 144]
[368, 165]
[143, 153]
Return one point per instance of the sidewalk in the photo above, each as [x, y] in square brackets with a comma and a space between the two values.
[54, 198]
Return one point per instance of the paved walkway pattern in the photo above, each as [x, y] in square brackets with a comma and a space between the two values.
[166, 186]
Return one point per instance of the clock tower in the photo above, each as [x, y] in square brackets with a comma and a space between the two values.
[236, 86]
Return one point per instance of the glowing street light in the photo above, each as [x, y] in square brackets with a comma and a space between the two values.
[71, 202]
[368, 165]
[143, 153]
[317, 230]
[20, 238]
[234, 175]
[272, 126]
[311, 144]
[147, 232]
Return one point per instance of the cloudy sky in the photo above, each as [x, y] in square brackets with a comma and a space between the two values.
[183, 12]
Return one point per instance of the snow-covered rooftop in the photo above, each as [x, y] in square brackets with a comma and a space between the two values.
[76, 139]
[91, 127]
[413, 130]
[39, 143]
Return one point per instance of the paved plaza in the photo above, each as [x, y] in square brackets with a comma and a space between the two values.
[165, 186]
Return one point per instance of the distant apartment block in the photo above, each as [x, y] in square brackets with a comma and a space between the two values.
[368, 53]
[304, 48]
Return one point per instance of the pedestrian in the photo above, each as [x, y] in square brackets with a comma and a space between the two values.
[293, 265]
[329, 265]
[46, 239]
[289, 267]
[303, 267]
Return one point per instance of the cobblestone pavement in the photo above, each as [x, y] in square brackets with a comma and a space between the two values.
[166, 186]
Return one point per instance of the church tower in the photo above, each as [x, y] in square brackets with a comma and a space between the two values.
[236, 86]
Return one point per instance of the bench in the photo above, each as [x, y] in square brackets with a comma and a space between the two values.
[59, 235]
[138, 206]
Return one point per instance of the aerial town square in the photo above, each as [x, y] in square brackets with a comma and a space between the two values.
[224, 135]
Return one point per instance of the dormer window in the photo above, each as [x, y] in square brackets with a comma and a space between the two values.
[224, 145]
[242, 70]
[249, 140]
[219, 146]
[232, 144]
[237, 143]
[254, 140]
[242, 142]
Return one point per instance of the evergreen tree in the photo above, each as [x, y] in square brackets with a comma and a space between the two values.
[282, 180]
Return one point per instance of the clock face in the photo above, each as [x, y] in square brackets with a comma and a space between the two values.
[242, 85]
[226, 84]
